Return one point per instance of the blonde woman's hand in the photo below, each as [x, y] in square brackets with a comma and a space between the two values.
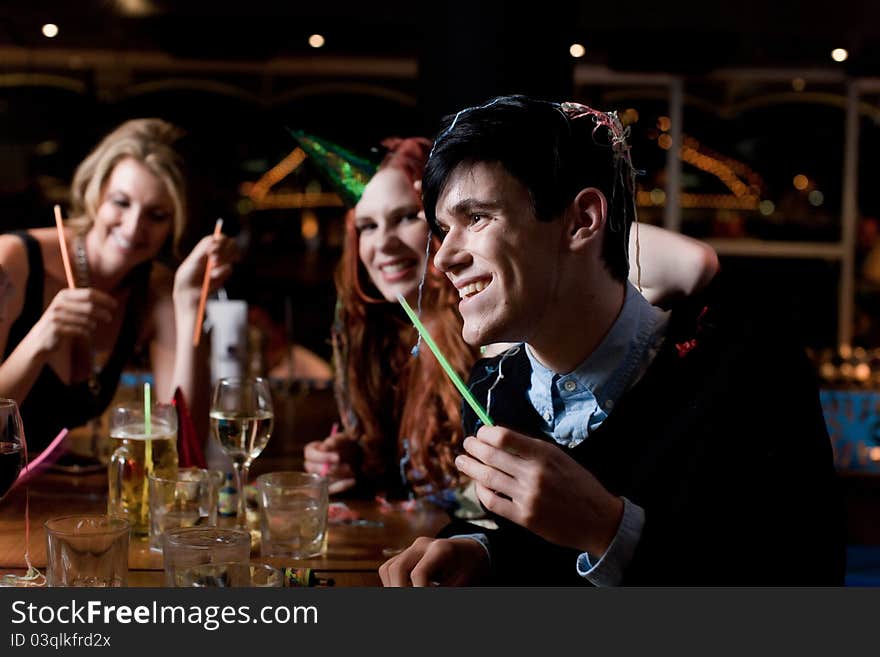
[334, 457]
[221, 251]
[73, 313]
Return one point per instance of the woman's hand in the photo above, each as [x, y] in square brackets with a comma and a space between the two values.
[335, 457]
[73, 313]
[221, 251]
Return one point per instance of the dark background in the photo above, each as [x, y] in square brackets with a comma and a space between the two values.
[395, 68]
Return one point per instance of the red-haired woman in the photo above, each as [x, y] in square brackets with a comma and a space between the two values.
[401, 415]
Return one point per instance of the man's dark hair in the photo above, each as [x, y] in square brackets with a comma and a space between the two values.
[552, 155]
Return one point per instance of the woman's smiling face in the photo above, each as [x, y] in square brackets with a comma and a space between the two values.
[392, 234]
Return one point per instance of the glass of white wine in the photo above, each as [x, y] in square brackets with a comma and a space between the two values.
[241, 420]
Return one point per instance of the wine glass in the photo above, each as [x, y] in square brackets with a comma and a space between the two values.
[11, 445]
[12, 452]
[241, 421]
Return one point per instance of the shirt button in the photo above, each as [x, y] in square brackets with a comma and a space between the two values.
[609, 404]
[570, 386]
[548, 415]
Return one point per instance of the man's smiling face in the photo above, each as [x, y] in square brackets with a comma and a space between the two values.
[502, 260]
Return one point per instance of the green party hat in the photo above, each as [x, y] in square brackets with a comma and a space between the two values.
[348, 173]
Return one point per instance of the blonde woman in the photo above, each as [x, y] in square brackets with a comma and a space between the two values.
[64, 349]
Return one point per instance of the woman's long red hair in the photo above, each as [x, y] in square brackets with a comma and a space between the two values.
[385, 394]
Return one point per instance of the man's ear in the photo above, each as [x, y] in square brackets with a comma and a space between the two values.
[586, 218]
[417, 188]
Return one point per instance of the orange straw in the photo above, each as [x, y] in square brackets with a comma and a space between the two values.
[63, 244]
[200, 316]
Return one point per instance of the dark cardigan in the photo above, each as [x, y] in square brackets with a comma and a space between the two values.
[722, 442]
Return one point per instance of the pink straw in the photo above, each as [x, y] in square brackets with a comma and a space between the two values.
[47, 457]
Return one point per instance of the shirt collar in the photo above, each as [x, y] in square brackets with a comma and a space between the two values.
[621, 357]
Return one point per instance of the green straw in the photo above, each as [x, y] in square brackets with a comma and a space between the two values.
[148, 451]
[462, 388]
[148, 421]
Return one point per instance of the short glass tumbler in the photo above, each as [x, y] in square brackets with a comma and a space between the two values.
[87, 550]
[187, 500]
[293, 514]
[195, 546]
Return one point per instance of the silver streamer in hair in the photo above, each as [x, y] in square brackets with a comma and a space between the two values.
[415, 349]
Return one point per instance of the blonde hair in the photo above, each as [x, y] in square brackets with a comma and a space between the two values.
[150, 142]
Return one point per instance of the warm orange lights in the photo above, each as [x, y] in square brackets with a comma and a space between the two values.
[629, 116]
[309, 227]
[688, 200]
[289, 164]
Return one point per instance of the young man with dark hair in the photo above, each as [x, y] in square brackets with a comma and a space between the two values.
[631, 445]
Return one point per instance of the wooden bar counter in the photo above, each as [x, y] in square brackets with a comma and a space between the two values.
[355, 550]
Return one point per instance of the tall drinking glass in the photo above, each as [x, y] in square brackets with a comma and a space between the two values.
[241, 421]
[139, 449]
[11, 451]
